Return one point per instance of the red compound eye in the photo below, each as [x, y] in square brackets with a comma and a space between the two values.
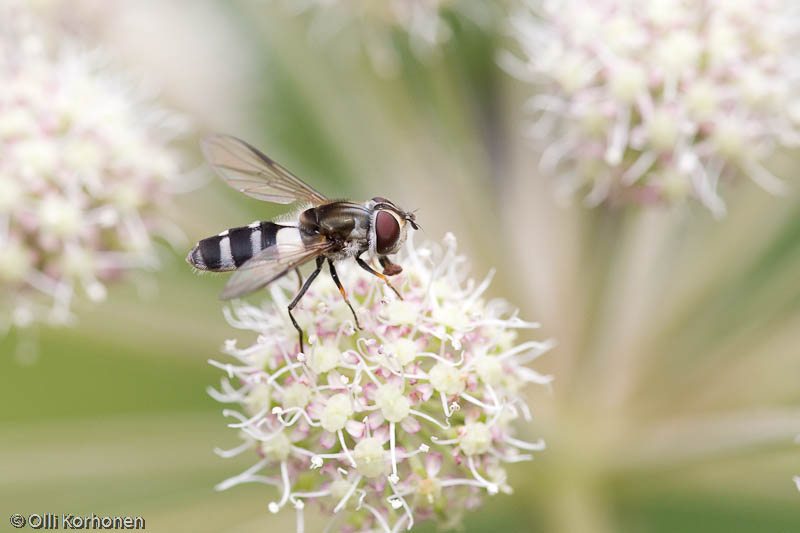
[387, 232]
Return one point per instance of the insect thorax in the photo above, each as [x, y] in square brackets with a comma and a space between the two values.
[344, 222]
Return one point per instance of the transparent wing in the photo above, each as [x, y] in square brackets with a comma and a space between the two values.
[270, 264]
[247, 170]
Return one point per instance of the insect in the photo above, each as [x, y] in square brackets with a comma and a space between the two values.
[327, 230]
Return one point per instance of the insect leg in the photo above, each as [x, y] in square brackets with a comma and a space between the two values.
[300, 294]
[341, 290]
[369, 269]
[299, 278]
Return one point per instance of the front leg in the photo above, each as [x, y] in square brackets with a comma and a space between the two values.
[300, 294]
[369, 269]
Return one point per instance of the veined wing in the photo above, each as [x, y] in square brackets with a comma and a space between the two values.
[247, 170]
[270, 264]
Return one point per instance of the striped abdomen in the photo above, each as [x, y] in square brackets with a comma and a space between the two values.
[231, 248]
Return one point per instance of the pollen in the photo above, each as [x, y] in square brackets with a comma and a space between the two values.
[370, 457]
[393, 403]
[405, 350]
[277, 448]
[258, 399]
[296, 395]
[475, 439]
[324, 358]
[336, 413]
[446, 378]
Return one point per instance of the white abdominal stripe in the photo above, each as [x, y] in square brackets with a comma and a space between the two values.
[232, 248]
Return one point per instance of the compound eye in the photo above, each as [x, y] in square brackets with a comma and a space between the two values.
[387, 232]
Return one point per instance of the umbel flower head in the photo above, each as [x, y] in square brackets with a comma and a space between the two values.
[658, 101]
[410, 418]
[84, 175]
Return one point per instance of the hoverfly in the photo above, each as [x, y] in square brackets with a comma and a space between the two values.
[330, 231]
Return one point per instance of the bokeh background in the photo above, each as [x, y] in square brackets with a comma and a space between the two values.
[677, 393]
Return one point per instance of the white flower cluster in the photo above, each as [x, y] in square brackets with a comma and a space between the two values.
[657, 101]
[407, 419]
[84, 177]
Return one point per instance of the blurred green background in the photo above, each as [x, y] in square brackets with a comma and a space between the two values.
[677, 393]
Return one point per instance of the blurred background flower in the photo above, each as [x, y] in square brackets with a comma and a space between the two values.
[86, 176]
[373, 26]
[675, 401]
[659, 101]
[383, 30]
